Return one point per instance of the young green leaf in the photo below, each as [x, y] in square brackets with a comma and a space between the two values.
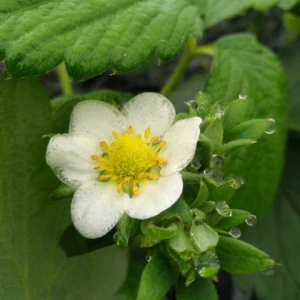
[93, 36]
[202, 195]
[251, 130]
[214, 132]
[238, 257]
[156, 279]
[234, 145]
[238, 217]
[201, 289]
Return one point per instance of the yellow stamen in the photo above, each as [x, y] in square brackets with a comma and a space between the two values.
[97, 158]
[141, 175]
[154, 140]
[147, 133]
[103, 177]
[126, 180]
[152, 176]
[97, 168]
[162, 144]
[115, 134]
[136, 190]
[120, 188]
[139, 136]
[104, 145]
[162, 162]
[130, 130]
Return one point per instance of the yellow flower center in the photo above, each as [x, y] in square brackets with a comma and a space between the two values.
[130, 160]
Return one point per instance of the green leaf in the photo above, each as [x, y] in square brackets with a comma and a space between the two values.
[62, 106]
[33, 266]
[251, 130]
[238, 217]
[93, 36]
[242, 66]
[222, 192]
[202, 195]
[278, 233]
[238, 257]
[235, 114]
[203, 237]
[62, 192]
[234, 145]
[126, 228]
[156, 279]
[154, 234]
[214, 132]
[201, 289]
[291, 61]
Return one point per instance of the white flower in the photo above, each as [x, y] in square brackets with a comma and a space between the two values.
[122, 162]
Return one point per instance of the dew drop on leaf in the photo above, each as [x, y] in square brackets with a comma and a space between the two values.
[215, 174]
[196, 165]
[251, 220]
[272, 126]
[235, 232]
[223, 209]
[243, 97]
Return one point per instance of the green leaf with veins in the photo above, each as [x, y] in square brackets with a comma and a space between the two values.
[93, 36]
[33, 266]
[242, 66]
[277, 234]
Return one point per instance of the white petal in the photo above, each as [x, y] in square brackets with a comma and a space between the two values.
[96, 208]
[97, 118]
[155, 197]
[69, 156]
[150, 110]
[181, 144]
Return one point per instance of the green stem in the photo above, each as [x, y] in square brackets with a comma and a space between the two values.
[190, 51]
[180, 69]
[205, 50]
[65, 81]
[222, 231]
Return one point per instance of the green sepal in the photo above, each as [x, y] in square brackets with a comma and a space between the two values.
[190, 277]
[222, 192]
[203, 237]
[181, 243]
[234, 145]
[250, 130]
[156, 280]
[184, 265]
[208, 206]
[238, 217]
[235, 114]
[202, 195]
[62, 192]
[214, 132]
[204, 103]
[127, 227]
[204, 151]
[178, 211]
[153, 234]
[180, 116]
[238, 257]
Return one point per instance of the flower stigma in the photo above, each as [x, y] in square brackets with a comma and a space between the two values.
[130, 160]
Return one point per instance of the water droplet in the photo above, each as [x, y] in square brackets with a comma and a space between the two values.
[251, 220]
[235, 232]
[269, 271]
[148, 258]
[207, 265]
[237, 182]
[192, 104]
[223, 209]
[217, 161]
[243, 97]
[272, 127]
[196, 165]
[215, 174]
